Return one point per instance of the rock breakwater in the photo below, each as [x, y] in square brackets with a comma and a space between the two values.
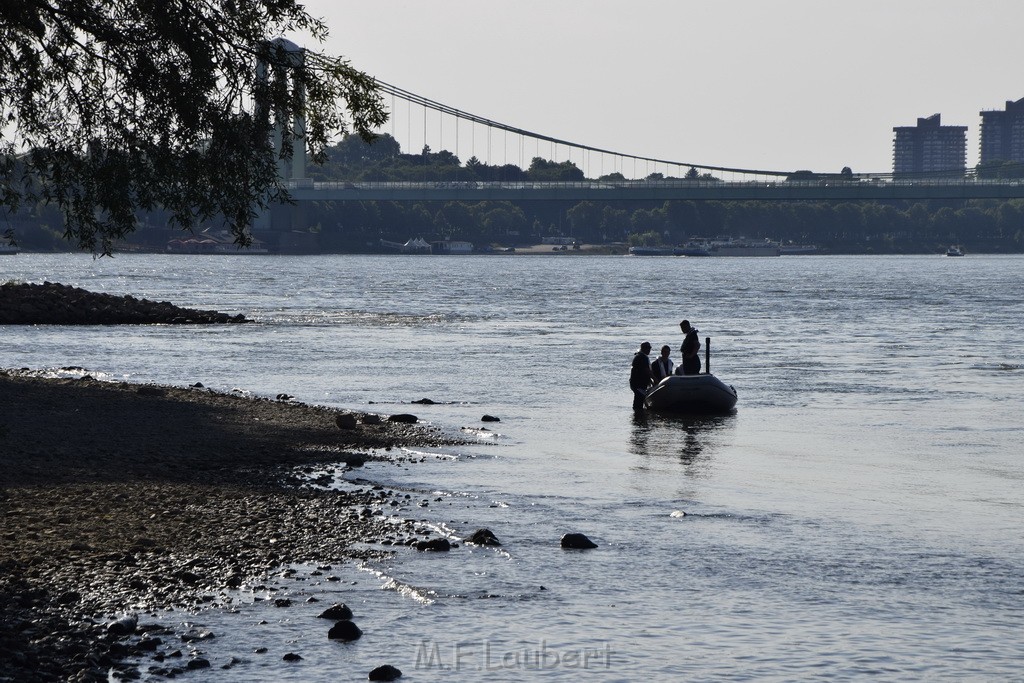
[51, 303]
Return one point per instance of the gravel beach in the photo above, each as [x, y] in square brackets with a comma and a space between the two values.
[116, 498]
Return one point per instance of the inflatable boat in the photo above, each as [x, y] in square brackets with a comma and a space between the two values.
[691, 394]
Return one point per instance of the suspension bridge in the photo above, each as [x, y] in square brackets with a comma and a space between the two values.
[604, 175]
[611, 175]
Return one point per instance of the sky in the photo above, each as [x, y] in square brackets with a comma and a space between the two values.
[764, 84]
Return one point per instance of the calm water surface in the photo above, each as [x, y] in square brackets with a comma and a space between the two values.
[860, 513]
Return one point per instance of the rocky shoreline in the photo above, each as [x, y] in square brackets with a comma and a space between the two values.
[117, 498]
[50, 303]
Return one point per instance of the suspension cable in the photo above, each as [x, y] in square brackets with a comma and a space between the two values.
[490, 123]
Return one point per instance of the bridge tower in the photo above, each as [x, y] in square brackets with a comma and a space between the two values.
[285, 72]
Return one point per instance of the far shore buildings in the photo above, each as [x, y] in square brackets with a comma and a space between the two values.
[929, 147]
[1002, 134]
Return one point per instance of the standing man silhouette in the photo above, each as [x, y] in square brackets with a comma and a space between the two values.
[690, 349]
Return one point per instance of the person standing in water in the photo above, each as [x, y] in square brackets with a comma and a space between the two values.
[640, 376]
[690, 349]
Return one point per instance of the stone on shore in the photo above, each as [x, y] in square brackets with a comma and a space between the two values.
[405, 418]
[577, 541]
[345, 631]
[346, 421]
[353, 460]
[385, 673]
[483, 537]
[123, 626]
[339, 612]
[434, 545]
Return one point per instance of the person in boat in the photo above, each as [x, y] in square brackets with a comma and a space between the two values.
[690, 349]
[662, 365]
[640, 375]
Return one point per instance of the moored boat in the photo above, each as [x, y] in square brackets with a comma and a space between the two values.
[797, 249]
[213, 242]
[450, 247]
[692, 394]
[954, 250]
[694, 248]
[728, 246]
[651, 251]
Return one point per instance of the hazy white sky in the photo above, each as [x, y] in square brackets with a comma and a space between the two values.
[784, 84]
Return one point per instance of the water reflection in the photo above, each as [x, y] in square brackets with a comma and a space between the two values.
[693, 439]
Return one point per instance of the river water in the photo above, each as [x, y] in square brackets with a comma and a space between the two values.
[859, 514]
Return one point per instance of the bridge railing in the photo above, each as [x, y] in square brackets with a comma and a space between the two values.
[668, 184]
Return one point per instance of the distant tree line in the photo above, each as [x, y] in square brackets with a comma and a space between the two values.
[841, 227]
[837, 227]
[846, 227]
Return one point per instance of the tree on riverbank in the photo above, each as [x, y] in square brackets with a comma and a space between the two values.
[112, 108]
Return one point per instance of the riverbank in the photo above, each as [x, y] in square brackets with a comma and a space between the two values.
[118, 498]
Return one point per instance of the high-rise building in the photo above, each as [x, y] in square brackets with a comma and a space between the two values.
[1002, 134]
[929, 147]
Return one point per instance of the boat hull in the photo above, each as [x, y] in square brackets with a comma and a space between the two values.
[745, 250]
[651, 251]
[692, 394]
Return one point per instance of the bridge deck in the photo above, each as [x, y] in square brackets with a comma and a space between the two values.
[646, 190]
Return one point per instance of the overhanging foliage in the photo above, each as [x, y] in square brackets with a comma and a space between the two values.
[111, 107]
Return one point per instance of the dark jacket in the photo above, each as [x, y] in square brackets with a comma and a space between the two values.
[640, 372]
[691, 343]
[691, 353]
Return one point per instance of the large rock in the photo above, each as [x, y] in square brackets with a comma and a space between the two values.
[404, 417]
[346, 421]
[338, 611]
[483, 537]
[353, 459]
[385, 673]
[123, 626]
[55, 304]
[344, 630]
[435, 545]
[577, 542]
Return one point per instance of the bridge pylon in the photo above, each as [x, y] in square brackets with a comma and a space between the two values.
[288, 136]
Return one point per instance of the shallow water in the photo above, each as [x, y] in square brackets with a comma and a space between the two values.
[859, 514]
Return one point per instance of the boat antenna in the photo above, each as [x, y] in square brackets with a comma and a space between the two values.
[707, 355]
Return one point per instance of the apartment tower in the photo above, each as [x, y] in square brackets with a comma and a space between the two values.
[1002, 134]
[929, 147]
